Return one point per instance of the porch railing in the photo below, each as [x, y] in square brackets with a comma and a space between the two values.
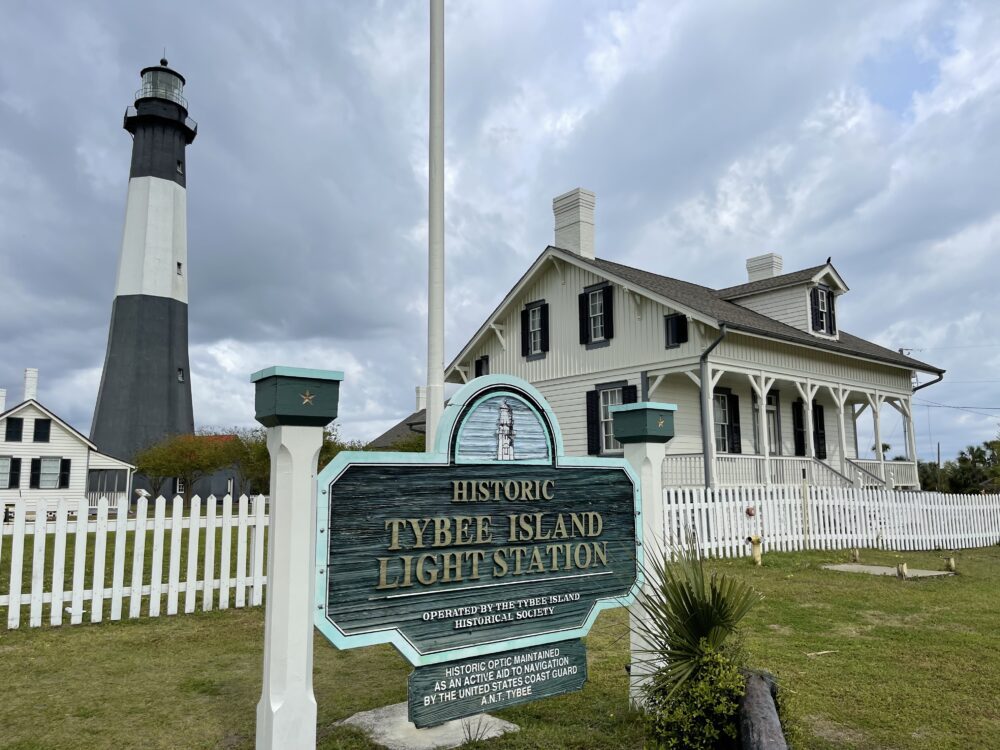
[742, 470]
[876, 473]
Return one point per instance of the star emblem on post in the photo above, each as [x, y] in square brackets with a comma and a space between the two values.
[307, 398]
[659, 422]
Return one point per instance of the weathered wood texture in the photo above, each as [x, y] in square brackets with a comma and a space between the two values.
[366, 496]
[760, 728]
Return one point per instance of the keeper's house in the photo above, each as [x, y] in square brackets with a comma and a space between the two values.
[42, 457]
[780, 385]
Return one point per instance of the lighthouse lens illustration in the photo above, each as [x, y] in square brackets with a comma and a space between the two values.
[503, 428]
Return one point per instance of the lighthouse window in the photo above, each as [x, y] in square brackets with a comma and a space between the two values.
[180, 167]
[180, 269]
[180, 374]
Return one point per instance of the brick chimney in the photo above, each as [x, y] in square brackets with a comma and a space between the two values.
[421, 397]
[763, 266]
[3, 400]
[574, 215]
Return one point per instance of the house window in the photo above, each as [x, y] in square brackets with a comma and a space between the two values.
[597, 316]
[6, 473]
[824, 317]
[229, 486]
[482, 366]
[48, 476]
[42, 429]
[675, 330]
[721, 423]
[609, 397]
[535, 330]
[15, 427]
[178, 486]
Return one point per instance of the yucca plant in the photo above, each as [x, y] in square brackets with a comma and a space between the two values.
[688, 615]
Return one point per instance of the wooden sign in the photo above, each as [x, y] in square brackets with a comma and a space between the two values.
[442, 692]
[493, 543]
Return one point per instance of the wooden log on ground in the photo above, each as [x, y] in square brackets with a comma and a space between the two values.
[760, 728]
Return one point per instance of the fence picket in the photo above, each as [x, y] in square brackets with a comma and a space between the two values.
[258, 551]
[241, 553]
[174, 573]
[118, 569]
[156, 569]
[208, 576]
[225, 580]
[38, 564]
[58, 563]
[138, 558]
[191, 581]
[100, 548]
[16, 563]
[79, 560]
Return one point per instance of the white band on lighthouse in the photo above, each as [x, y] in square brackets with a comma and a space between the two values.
[154, 243]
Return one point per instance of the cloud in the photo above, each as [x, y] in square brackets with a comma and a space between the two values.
[710, 133]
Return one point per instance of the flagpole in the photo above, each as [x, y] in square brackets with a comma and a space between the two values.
[435, 228]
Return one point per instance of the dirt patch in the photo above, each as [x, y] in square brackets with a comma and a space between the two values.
[780, 629]
[832, 731]
[875, 618]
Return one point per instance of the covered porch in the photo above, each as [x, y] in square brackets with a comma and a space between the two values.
[760, 428]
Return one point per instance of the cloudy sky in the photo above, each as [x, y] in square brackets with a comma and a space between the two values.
[710, 131]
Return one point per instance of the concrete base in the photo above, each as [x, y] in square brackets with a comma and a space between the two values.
[389, 726]
[882, 570]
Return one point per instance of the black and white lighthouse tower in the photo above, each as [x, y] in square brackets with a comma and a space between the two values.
[145, 392]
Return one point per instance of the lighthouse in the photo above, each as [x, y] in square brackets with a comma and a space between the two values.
[505, 432]
[145, 392]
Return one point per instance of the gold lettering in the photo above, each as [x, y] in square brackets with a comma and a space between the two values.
[418, 531]
[476, 556]
[500, 562]
[526, 493]
[396, 524]
[442, 532]
[383, 564]
[483, 534]
[510, 490]
[537, 565]
[576, 556]
[547, 487]
[451, 566]
[423, 576]
[601, 552]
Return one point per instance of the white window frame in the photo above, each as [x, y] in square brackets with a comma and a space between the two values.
[535, 330]
[178, 486]
[771, 414]
[230, 486]
[823, 303]
[5, 472]
[595, 313]
[721, 427]
[608, 397]
[48, 476]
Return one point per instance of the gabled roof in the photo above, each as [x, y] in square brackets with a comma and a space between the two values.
[65, 425]
[50, 415]
[409, 427]
[712, 306]
[805, 276]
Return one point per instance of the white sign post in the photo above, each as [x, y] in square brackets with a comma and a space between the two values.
[295, 405]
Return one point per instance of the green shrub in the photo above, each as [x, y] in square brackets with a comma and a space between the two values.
[702, 712]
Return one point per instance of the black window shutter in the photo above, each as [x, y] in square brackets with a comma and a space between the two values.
[15, 474]
[593, 423]
[584, 301]
[735, 438]
[819, 431]
[545, 327]
[817, 324]
[64, 465]
[831, 314]
[609, 312]
[524, 333]
[630, 394]
[799, 427]
[682, 329]
[36, 473]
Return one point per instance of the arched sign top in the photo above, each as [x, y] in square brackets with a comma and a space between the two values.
[499, 418]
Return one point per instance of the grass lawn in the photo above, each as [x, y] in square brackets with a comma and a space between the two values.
[914, 664]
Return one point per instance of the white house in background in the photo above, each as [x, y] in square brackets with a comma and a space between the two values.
[769, 389]
[42, 457]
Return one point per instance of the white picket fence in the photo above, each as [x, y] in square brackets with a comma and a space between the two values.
[794, 518]
[200, 543]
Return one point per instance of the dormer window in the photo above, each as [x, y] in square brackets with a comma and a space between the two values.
[824, 317]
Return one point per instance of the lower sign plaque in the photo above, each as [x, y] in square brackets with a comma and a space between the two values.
[443, 692]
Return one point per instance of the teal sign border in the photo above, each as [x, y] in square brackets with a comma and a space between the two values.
[447, 433]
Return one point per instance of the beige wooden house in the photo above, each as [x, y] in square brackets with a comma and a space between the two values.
[769, 389]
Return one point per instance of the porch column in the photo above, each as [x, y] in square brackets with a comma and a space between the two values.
[840, 399]
[762, 389]
[807, 394]
[876, 404]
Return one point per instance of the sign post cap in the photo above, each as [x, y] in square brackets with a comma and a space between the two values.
[296, 396]
[645, 422]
